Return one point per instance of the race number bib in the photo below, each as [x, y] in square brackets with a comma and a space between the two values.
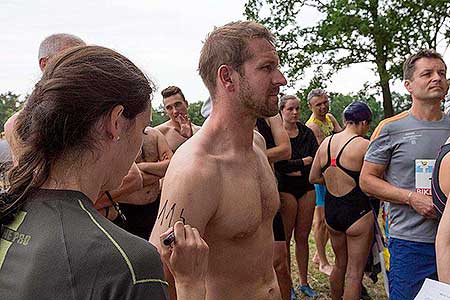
[424, 171]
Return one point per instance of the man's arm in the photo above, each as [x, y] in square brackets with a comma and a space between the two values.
[165, 154]
[320, 136]
[337, 126]
[130, 183]
[11, 136]
[189, 194]
[282, 150]
[372, 183]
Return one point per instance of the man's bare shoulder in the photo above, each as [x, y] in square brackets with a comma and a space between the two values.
[164, 127]
[10, 124]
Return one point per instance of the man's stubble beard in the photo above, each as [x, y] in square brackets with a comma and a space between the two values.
[257, 108]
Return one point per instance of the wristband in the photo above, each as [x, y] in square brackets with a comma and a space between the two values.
[408, 199]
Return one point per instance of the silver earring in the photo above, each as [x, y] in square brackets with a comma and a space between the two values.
[118, 138]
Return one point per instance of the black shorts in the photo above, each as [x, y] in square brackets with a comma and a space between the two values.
[140, 218]
[278, 228]
[294, 185]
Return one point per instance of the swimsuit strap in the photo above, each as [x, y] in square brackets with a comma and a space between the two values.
[329, 159]
[351, 173]
[345, 145]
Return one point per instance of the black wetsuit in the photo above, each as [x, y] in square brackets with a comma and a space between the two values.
[439, 198]
[59, 247]
[303, 145]
[265, 130]
[341, 212]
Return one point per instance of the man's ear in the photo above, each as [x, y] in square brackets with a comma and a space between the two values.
[114, 124]
[43, 63]
[225, 77]
[407, 84]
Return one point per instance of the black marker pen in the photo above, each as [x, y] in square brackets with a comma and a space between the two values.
[169, 239]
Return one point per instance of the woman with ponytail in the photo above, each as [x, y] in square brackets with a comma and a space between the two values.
[80, 131]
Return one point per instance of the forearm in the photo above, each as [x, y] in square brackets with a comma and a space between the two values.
[383, 190]
[317, 179]
[291, 165]
[156, 168]
[442, 246]
[442, 254]
[278, 153]
[191, 291]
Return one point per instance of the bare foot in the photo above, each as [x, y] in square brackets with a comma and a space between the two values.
[326, 269]
[316, 259]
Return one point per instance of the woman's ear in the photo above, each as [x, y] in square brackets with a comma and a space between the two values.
[113, 123]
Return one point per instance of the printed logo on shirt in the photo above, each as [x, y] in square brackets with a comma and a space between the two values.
[16, 237]
[424, 171]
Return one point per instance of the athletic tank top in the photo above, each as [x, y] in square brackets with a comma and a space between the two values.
[439, 198]
[327, 127]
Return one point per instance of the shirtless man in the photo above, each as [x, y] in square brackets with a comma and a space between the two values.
[178, 128]
[141, 207]
[322, 124]
[219, 180]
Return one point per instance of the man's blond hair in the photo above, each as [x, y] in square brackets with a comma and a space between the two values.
[228, 45]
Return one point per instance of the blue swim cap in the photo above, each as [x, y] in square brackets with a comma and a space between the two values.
[357, 111]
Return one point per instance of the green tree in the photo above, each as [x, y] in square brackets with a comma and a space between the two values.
[380, 32]
[9, 104]
[158, 116]
[195, 114]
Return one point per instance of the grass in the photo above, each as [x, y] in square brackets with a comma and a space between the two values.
[320, 282]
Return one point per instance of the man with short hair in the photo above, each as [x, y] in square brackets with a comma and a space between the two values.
[178, 129]
[141, 206]
[48, 48]
[220, 181]
[397, 169]
[323, 124]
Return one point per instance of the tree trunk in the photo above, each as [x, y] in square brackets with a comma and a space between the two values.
[387, 98]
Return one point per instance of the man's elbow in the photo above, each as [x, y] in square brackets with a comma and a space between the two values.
[365, 183]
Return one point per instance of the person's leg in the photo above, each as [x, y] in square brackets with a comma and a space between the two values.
[289, 215]
[320, 231]
[280, 258]
[305, 212]
[410, 263]
[359, 240]
[337, 277]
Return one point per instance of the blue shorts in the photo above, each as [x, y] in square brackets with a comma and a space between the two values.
[410, 263]
[320, 194]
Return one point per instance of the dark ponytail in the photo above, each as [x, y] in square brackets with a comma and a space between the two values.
[79, 87]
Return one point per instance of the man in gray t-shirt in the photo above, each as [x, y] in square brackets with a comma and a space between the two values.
[398, 167]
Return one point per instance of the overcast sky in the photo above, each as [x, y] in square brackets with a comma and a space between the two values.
[164, 38]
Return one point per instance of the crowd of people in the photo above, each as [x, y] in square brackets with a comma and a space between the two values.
[100, 205]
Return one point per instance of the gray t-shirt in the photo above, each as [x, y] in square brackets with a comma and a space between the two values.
[60, 247]
[398, 142]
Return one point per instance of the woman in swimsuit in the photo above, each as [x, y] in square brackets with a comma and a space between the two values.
[440, 189]
[348, 213]
[80, 131]
[297, 195]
